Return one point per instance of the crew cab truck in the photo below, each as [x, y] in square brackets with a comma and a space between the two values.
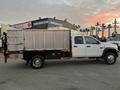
[39, 45]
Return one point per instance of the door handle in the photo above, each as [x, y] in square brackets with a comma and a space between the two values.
[88, 46]
[75, 46]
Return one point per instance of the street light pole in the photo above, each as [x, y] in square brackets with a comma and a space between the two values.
[115, 26]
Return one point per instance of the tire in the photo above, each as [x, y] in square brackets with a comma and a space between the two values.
[118, 47]
[37, 62]
[110, 58]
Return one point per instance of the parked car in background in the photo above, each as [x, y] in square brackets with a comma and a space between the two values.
[115, 40]
[100, 39]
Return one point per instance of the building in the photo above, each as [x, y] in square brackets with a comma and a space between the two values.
[43, 23]
[46, 23]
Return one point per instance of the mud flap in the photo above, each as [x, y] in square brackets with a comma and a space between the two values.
[5, 56]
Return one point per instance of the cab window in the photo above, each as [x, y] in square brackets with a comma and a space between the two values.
[90, 40]
[79, 40]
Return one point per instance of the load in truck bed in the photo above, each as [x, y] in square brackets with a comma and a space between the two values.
[38, 39]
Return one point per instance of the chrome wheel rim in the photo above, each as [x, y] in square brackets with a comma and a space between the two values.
[111, 59]
[37, 62]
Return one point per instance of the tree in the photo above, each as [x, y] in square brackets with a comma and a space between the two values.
[87, 30]
[92, 30]
[109, 29]
[103, 30]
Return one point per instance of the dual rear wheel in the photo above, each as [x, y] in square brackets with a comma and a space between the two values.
[37, 62]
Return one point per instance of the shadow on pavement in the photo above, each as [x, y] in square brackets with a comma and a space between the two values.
[62, 63]
[73, 63]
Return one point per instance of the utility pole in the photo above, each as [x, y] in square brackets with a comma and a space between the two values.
[109, 29]
[103, 30]
[115, 26]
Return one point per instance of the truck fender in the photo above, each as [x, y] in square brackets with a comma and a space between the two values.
[110, 50]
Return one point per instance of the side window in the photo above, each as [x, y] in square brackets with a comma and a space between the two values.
[79, 40]
[90, 40]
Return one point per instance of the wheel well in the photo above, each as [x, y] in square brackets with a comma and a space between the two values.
[28, 55]
[108, 51]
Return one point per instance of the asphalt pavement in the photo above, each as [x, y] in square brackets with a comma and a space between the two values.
[59, 75]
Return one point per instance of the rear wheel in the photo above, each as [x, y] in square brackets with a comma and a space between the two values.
[110, 58]
[37, 62]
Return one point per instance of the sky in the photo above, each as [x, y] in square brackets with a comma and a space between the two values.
[82, 12]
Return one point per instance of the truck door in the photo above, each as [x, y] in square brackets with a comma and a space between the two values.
[93, 47]
[78, 47]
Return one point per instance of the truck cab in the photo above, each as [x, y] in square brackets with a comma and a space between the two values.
[88, 46]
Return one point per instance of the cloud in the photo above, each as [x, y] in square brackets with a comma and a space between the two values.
[101, 18]
[104, 16]
[73, 3]
[83, 12]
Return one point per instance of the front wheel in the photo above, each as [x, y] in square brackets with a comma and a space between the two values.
[110, 58]
[37, 62]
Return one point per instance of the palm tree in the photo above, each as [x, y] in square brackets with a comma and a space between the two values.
[109, 29]
[87, 30]
[92, 30]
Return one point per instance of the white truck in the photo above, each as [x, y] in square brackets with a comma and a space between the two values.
[39, 45]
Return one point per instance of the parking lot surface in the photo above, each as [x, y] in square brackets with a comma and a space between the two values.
[60, 75]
